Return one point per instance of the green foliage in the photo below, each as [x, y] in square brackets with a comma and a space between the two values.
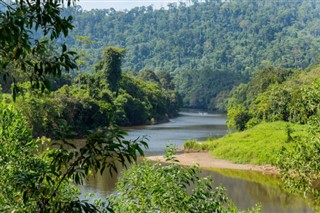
[194, 145]
[238, 95]
[200, 88]
[299, 165]
[133, 110]
[110, 66]
[38, 179]
[27, 179]
[282, 95]
[27, 30]
[153, 187]
[66, 112]
[234, 37]
[149, 75]
[166, 80]
[263, 78]
[88, 104]
[238, 117]
[252, 122]
[246, 34]
[260, 144]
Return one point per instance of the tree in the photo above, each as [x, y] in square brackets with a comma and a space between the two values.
[37, 180]
[28, 31]
[110, 66]
[166, 80]
[148, 75]
[263, 78]
[238, 116]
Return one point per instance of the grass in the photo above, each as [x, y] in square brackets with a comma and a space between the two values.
[258, 145]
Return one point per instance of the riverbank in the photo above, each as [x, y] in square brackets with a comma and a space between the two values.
[205, 160]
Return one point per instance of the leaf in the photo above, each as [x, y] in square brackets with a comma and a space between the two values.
[64, 47]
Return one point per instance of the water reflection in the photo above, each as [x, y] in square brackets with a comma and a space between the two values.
[245, 194]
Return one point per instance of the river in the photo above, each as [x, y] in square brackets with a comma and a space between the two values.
[245, 188]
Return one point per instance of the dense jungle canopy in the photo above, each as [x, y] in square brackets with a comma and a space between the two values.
[209, 47]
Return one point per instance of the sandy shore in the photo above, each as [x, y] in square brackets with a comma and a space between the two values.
[204, 160]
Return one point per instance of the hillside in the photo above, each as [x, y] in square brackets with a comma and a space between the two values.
[209, 46]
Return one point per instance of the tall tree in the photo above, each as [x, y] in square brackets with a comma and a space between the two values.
[110, 66]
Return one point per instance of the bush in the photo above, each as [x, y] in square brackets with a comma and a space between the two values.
[238, 117]
[192, 145]
[299, 165]
[153, 187]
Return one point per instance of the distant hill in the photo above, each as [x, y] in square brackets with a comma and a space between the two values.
[209, 47]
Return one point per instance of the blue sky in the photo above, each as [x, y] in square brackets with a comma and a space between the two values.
[124, 4]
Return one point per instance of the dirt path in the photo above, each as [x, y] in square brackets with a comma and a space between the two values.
[206, 161]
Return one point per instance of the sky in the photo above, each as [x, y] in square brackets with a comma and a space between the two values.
[124, 4]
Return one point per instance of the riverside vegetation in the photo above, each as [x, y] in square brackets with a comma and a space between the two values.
[88, 101]
[45, 91]
[277, 117]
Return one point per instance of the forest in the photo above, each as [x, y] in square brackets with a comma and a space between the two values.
[69, 73]
[209, 47]
[72, 106]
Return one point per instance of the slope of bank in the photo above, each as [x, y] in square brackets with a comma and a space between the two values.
[259, 145]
